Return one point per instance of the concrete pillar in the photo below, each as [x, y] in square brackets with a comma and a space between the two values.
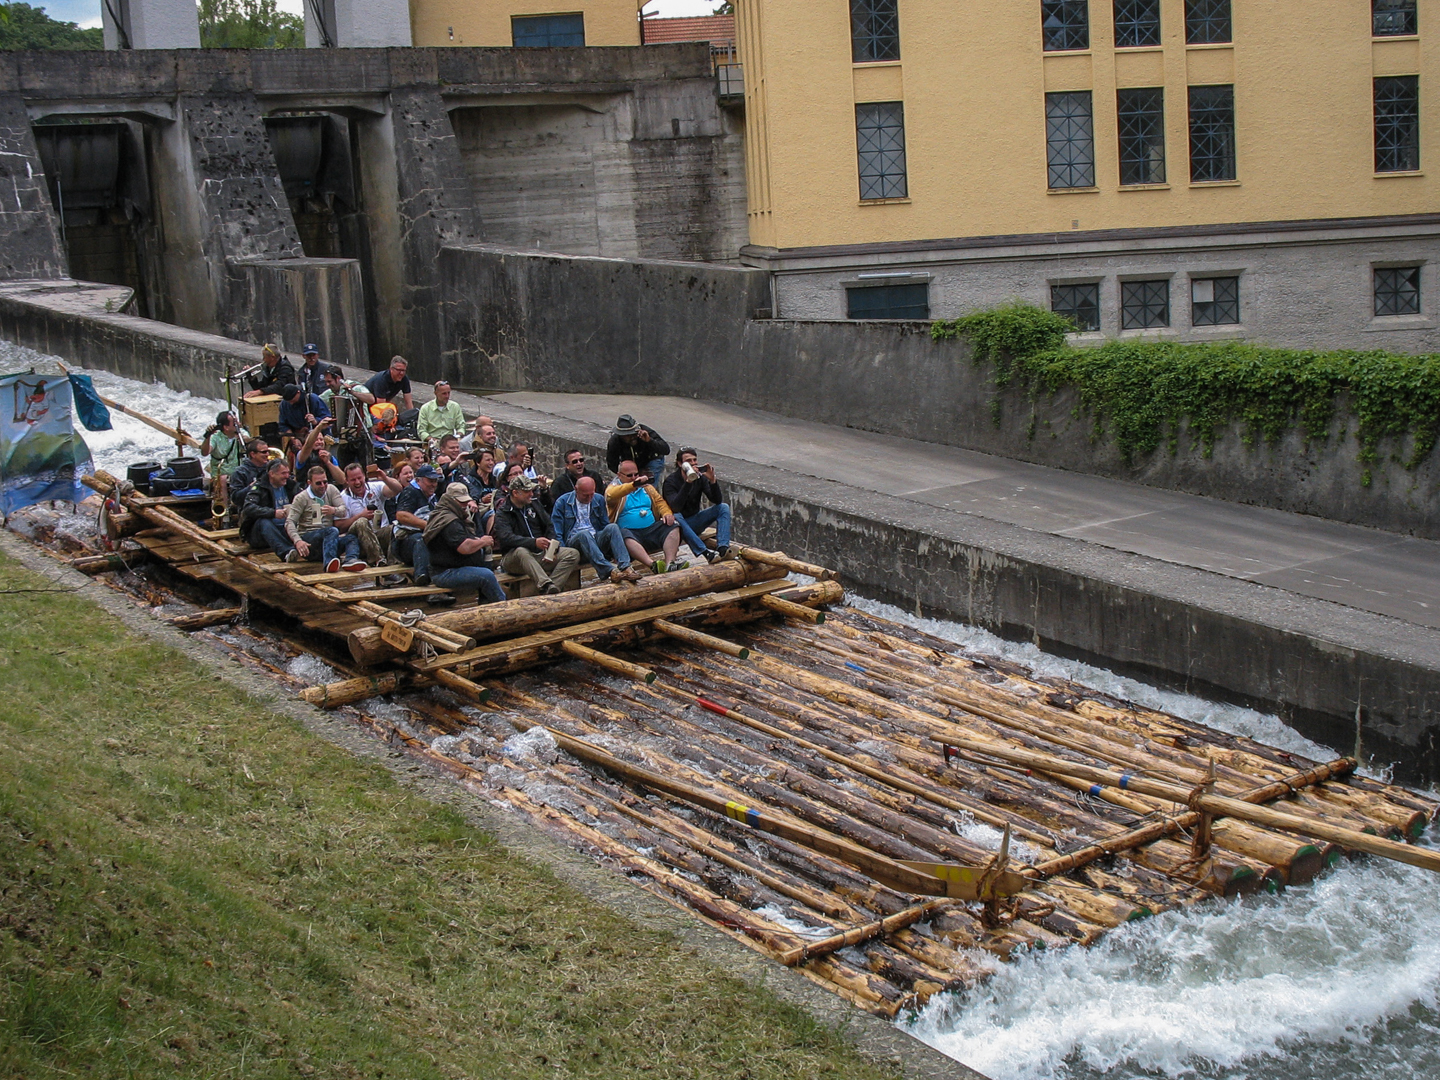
[29, 227]
[150, 24]
[357, 24]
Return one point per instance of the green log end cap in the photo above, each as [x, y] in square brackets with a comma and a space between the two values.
[744, 654]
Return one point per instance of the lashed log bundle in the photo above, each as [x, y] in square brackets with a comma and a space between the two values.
[813, 785]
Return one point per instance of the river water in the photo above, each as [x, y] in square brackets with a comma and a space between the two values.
[1337, 979]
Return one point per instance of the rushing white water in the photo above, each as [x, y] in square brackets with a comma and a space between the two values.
[1338, 979]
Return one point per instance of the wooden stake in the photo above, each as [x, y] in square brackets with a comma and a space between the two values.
[793, 611]
[784, 562]
[901, 919]
[695, 637]
[609, 663]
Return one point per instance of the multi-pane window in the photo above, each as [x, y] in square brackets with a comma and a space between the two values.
[1065, 24]
[1141, 114]
[1144, 304]
[1214, 301]
[1070, 139]
[911, 301]
[547, 31]
[874, 30]
[1207, 22]
[1079, 303]
[1137, 23]
[1212, 133]
[1397, 291]
[880, 141]
[1391, 17]
[1397, 124]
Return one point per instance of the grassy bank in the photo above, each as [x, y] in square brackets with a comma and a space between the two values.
[191, 886]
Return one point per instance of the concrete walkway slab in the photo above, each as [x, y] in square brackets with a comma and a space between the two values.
[1351, 565]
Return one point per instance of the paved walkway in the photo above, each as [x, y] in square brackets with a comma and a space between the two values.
[1361, 568]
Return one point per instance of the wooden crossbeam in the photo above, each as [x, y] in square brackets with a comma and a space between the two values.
[615, 622]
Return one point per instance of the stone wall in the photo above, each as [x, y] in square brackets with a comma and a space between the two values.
[532, 322]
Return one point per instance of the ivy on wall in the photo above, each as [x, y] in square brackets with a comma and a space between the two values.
[1140, 392]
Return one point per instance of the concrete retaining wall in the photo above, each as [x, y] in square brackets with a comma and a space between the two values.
[539, 322]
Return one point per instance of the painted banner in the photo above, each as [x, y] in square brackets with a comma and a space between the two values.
[42, 457]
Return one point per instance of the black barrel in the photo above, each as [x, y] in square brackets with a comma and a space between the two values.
[139, 474]
[185, 468]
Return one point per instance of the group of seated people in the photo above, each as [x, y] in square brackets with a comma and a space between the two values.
[458, 507]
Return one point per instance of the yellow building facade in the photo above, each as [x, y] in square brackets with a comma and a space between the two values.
[503, 23]
[893, 135]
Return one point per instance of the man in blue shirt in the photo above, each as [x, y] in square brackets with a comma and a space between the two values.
[393, 381]
[412, 513]
[311, 374]
[581, 523]
[300, 409]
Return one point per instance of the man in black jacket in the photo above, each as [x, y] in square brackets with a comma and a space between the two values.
[574, 470]
[275, 371]
[684, 490]
[526, 541]
[636, 442]
[266, 503]
[251, 468]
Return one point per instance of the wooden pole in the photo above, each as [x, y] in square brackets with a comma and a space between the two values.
[472, 690]
[793, 611]
[1172, 824]
[609, 663]
[1218, 805]
[784, 562]
[202, 619]
[704, 641]
[899, 921]
[348, 691]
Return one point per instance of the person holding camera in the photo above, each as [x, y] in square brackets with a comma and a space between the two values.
[224, 442]
[639, 443]
[686, 488]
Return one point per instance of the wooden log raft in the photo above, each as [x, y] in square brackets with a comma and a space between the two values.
[512, 618]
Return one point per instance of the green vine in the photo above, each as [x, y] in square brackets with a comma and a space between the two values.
[1142, 392]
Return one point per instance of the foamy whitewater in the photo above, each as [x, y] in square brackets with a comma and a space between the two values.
[1339, 979]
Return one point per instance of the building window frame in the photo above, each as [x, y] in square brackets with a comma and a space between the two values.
[902, 297]
[1145, 304]
[1396, 291]
[1393, 18]
[1397, 123]
[1070, 140]
[880, 150]
[1137, 24]
[1065, 25]
[1213, 157]
[874, 31]
[1078, 301]
[1215, 300]
[1140, 120]
[1208, 22]
[562, 24]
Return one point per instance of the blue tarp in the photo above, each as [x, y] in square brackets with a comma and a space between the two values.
[88, 407]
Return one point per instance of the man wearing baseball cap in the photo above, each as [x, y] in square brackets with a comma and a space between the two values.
[413, 507]
[525, 538]
[311, 375]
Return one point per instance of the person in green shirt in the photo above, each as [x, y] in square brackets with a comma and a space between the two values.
[225, 444]
[441, 416]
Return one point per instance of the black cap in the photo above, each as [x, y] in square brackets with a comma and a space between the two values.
[289, 390]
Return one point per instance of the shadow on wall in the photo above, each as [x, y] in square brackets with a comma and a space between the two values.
[568, 324]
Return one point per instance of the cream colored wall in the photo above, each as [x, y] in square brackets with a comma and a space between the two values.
[973, 78]
[487, 22]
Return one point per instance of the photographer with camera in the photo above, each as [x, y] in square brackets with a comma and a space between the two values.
[224, 442]
[685, 488]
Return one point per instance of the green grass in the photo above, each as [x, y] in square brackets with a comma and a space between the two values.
[191, 886]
